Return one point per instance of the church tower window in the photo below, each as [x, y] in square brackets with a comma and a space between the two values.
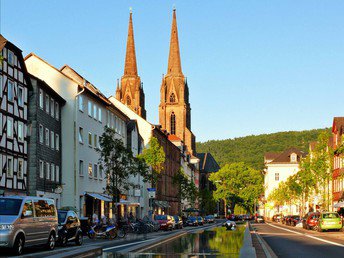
[173, 123]
[172, 98]
[128, 101]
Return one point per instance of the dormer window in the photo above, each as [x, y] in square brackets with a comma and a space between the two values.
[172, 98]
[293, 157]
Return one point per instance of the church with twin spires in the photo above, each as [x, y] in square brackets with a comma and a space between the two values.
[174, 108]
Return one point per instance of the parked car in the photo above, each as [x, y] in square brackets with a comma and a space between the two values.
[285, 219]
[192, 221]
[277, 218]
[200, 220]
[209, 219]
[165, 221]
[259, 219]
[311, 220]
[179, 222]
[293, 220]
[69, 228]
[27, 221]
[329, 220]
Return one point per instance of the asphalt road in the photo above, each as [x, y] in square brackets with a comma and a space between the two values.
[294, 242]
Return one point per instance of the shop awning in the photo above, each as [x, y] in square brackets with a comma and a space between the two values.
[161, 204]
[339, 205]
[102, 197]
[165, 204]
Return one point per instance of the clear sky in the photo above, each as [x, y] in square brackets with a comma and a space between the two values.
[252, 66]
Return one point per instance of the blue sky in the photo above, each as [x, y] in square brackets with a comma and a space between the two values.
[252, 66]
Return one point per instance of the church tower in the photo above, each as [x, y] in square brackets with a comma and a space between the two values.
[130, 90]
[174, 108]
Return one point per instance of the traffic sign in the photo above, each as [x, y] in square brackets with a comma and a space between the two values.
[151, 189]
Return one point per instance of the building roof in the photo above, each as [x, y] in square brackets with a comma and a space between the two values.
[207, 163]
[173, 138]
[284, 157]
[271, 155]
[338, 124]
[47, 87]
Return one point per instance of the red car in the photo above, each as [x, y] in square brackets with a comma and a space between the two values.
[165, 221]
[312, 220]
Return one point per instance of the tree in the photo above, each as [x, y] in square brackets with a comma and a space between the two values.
[118, 164]
[237, 184]
[153, 156]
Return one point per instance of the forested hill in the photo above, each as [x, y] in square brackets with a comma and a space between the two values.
[251, 149]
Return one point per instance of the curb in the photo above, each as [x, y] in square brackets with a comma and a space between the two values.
[247, 250]
[84, 252]
[269, 253]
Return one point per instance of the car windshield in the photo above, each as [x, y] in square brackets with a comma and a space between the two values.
[330, 215]
[62, 216]
[176, 218]
[9, 206]
[199, 218]
[192, 218]
[160, 217]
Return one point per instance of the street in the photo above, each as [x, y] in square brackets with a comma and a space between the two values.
[286, 241]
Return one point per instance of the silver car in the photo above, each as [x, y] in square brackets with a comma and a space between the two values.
[27, 221]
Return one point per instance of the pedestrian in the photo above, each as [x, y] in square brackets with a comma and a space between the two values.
[95, 218]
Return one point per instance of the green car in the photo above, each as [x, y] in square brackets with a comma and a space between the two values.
[329, 220]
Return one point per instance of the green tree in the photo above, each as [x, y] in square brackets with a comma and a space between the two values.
[118, 164]
[208, 203]
[187, 188]
[238, 183]
[153, 156]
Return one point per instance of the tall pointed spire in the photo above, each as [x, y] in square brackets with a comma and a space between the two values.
[174, 64]
[130, 67]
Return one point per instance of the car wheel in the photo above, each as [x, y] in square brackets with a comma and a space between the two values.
[121, 233]
[79, 239]
[51, 242]
[63, 241]
[18, 246]
[319, 229]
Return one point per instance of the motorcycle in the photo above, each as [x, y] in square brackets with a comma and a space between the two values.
[106, 231]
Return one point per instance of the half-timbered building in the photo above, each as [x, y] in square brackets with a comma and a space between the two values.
[14, 87]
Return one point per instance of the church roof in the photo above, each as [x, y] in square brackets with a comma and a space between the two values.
[174, 63]
[130, 67]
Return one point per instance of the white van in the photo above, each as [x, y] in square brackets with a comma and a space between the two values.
[27, 221]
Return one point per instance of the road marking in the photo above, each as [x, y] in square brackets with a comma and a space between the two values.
[306, 235]
[133, 243]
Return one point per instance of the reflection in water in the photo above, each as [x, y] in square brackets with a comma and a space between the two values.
[215, 242]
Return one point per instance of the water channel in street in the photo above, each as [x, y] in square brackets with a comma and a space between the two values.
[212, 242]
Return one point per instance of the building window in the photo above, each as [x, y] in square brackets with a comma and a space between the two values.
[9, 167]
[41, 99]
[10, 87]
[128, 101]
[81, 104]
[100, 172]
[57, 171]
[95, 171]
[276, 176]
[81, 167]
[173, 123]
[95, 111]
[90, 139]
[20, 173]
[52, 107]
[10, 57]
[47, 171]
[90, 170]
[108, 118]
[57, 142]
[47, 136]
[9, 127]
[47, 103]
[100, 115]
[81, 135]
[172, 98]
[90, 108]
[20, 96]
[293, 157]
[20, 131]
[41, 137]
[52, 140]
[95, 141]
[0, 81]
[41, 169]
[57, 111]
[52, 170]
